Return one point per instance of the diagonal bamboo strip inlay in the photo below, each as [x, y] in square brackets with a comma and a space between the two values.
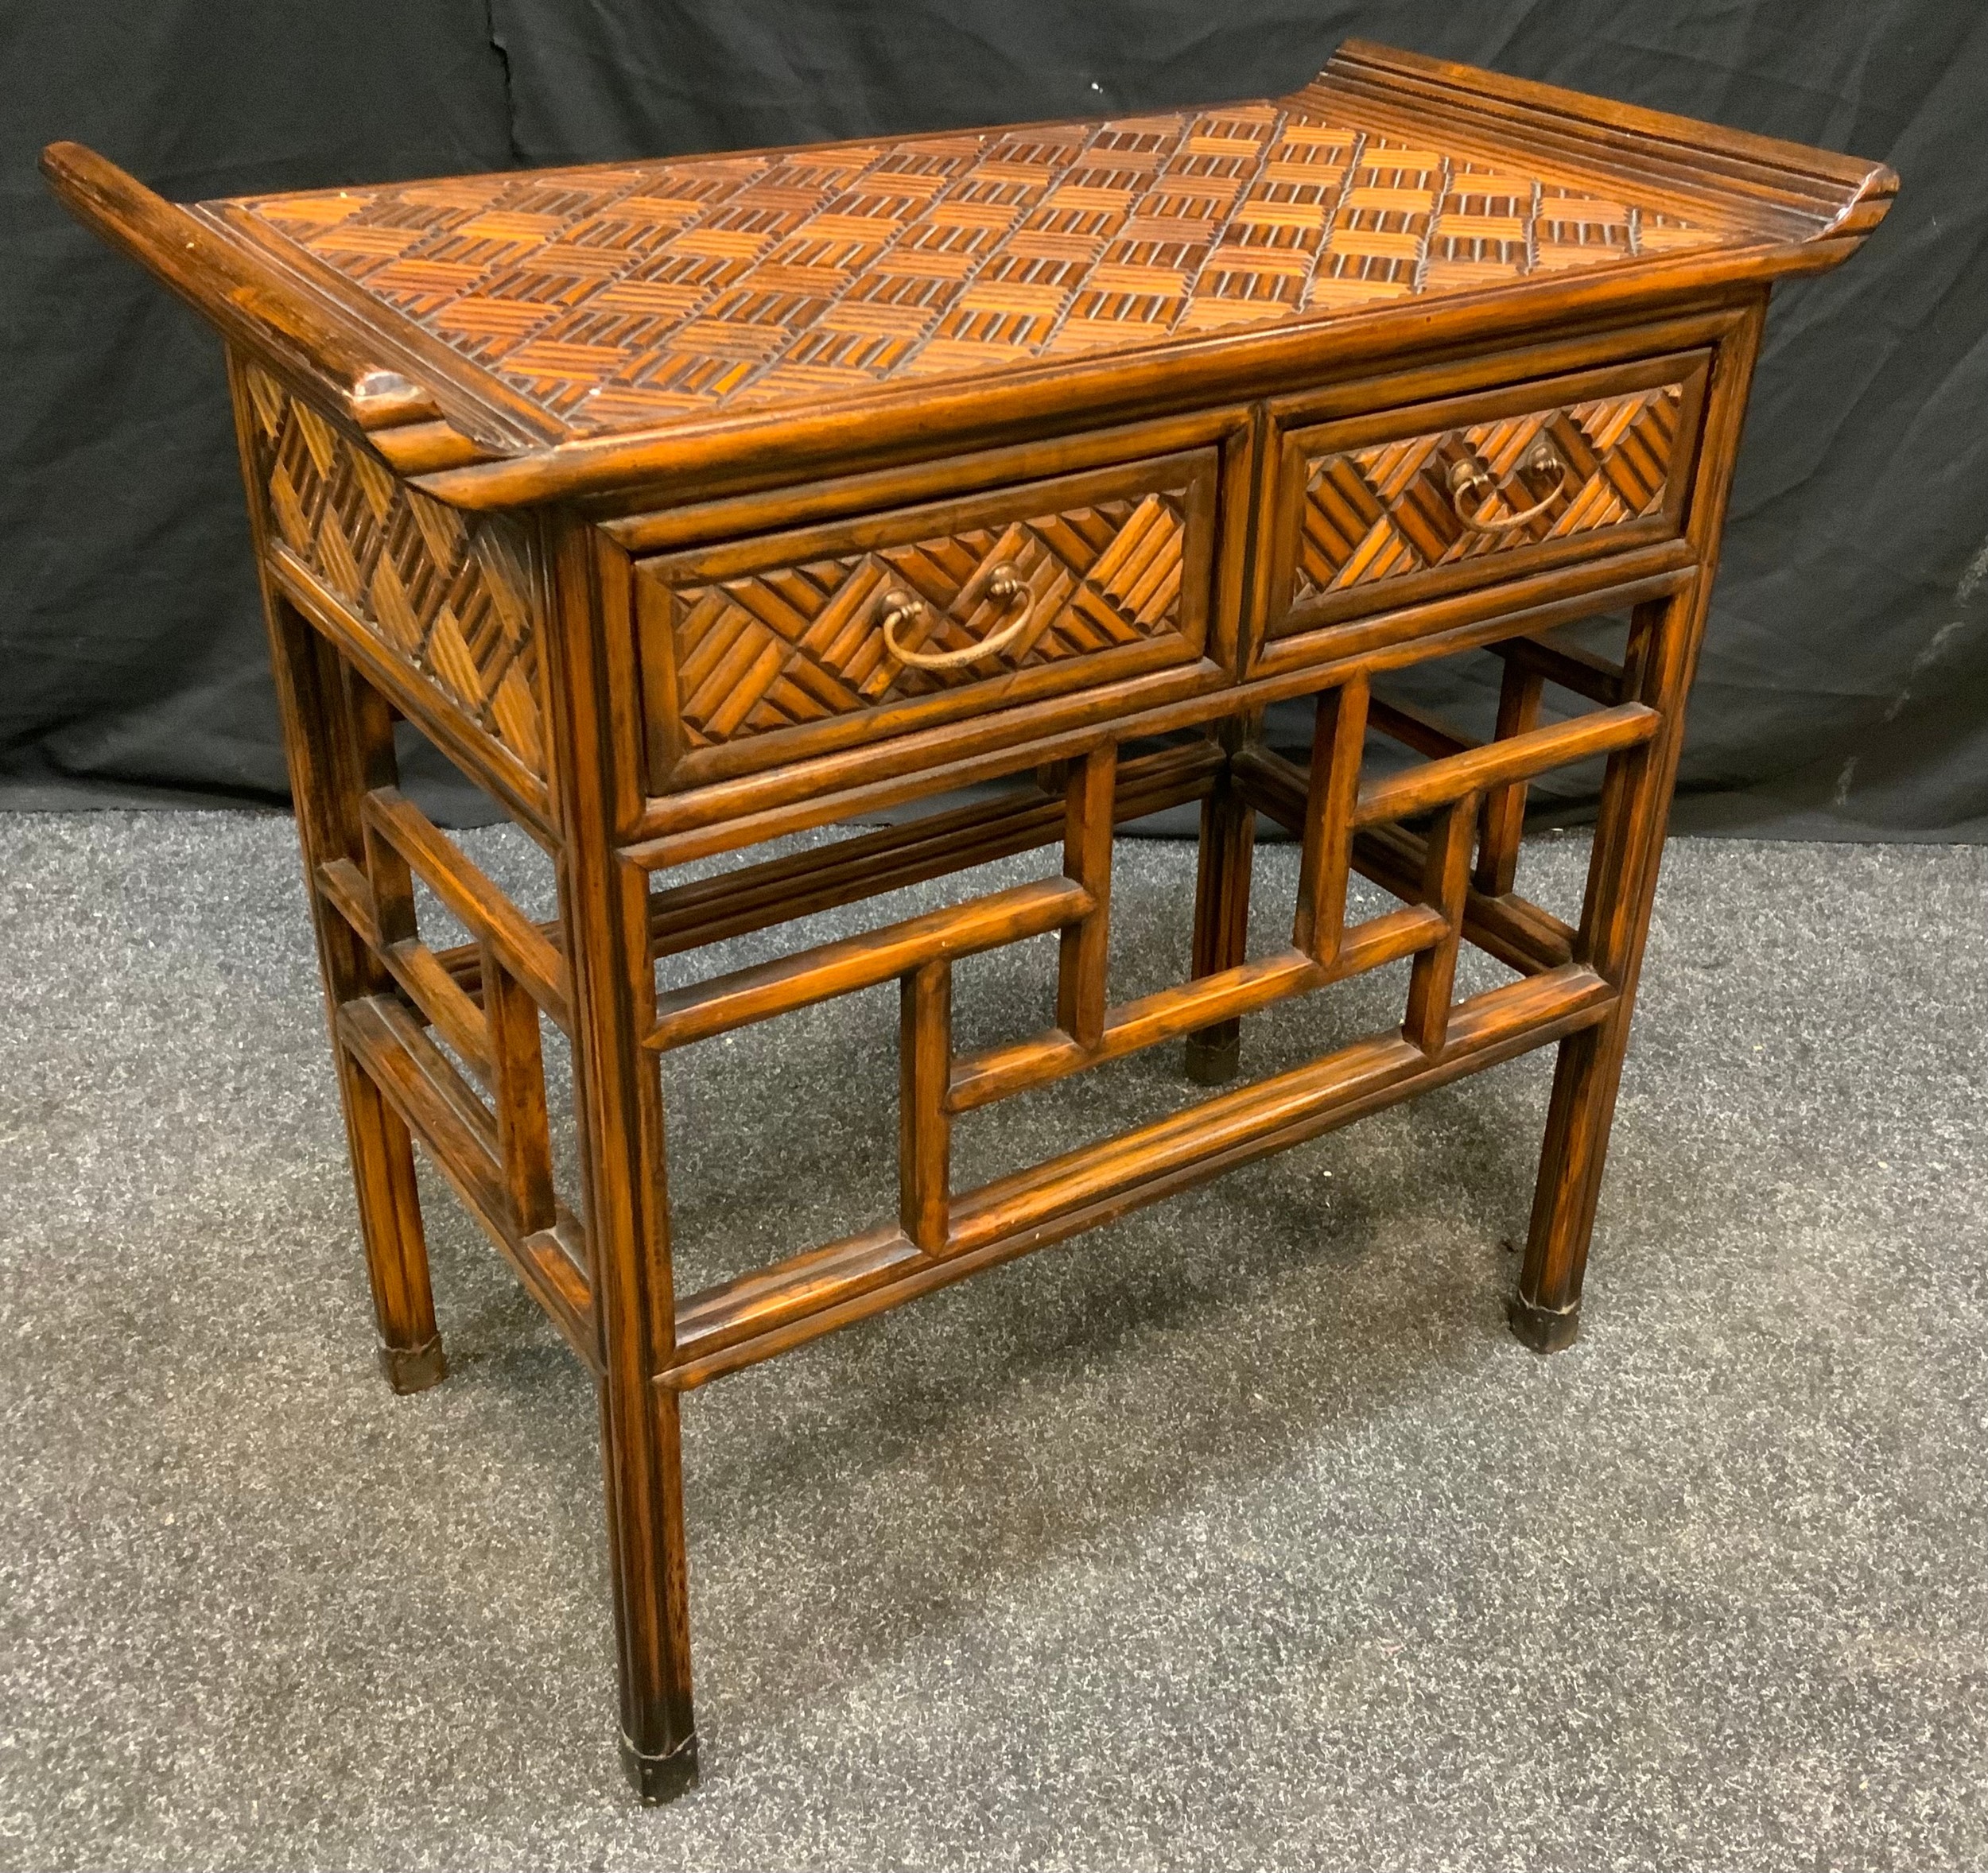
[798, 643]
[1385, 511]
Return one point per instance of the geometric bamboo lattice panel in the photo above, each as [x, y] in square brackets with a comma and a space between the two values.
[801, 640]
[1388, 511]
[452, 596]
[617, 298]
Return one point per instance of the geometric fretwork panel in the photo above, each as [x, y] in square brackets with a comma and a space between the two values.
[453, 1039]
[1387, 510]
[453, 596]
[1437, 836]
[799, 643]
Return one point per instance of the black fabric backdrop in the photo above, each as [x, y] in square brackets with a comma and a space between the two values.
[1844, 691]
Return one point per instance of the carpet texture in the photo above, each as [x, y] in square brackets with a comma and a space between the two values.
[1239, 1534]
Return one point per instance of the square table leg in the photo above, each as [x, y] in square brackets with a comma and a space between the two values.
[326, 765]
[1627, 851]
[618, 1102]
[1660, 662]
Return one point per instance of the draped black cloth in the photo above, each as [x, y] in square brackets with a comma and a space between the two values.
[1844, 688]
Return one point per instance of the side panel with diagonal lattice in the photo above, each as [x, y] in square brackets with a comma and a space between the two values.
[453, 597]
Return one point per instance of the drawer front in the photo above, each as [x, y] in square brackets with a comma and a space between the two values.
[1391, 508]
[767, 650]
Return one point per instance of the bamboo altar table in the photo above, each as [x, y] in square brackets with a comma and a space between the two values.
[687, 504]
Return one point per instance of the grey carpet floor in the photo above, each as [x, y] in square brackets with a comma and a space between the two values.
[1239, 1533]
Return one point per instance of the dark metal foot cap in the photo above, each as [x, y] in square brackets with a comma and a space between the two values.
[1213, 1063]
[414, 1369]
[658, 1779]
[1545, 1329]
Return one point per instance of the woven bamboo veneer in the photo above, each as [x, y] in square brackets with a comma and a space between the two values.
[612, 297]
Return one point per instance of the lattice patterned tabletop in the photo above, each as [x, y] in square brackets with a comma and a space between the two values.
[614, 297]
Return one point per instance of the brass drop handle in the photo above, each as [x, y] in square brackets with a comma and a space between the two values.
[1004, 585]
[1470, 476]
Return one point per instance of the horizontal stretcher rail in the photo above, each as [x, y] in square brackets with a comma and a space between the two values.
[473, 899]
[779, 987]
[1413, 729]
[1494, 764]
[743, 1321]
[1568, 665]
[755, 897]
[1521, 934]
[421, 975]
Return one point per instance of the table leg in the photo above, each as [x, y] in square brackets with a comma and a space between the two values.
[641, 1449]
[1662, 658]
[410, 1348]
[327, 765]
[618, 1102]
[1546, 1311]
[1622, 874]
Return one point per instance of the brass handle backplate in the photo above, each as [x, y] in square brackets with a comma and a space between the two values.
[1004, 585]
[1470, 481]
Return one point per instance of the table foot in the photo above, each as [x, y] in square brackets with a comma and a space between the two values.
[1544, 1329]
[1213, 1063]
[414, 1368]
[658, 1779]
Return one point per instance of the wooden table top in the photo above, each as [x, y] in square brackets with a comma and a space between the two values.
[912, 279]
[619, 297]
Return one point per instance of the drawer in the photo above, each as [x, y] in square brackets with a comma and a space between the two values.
[768, 649]
[1395, 506]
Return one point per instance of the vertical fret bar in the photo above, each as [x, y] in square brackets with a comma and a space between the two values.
[1338, 740]
[925, 1129]
[1085, 946]
[1445, 875]
[1505, 807]
[386, 871]
[519, 1086]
